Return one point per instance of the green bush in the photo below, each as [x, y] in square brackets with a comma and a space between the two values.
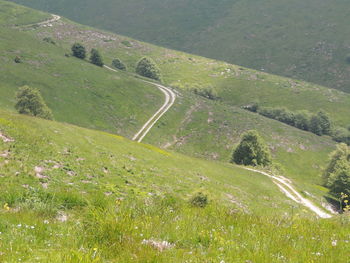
[79, 51]
[117, 63]
[208, 93]
[337, 174]
[199, 200]
[49, 40]
[147, 67]
[30, 102]
[252, 150]
[18, 60]
[96, 58]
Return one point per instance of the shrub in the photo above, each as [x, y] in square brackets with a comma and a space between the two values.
[96, 58]
[18, 60]
[126, 43]
[252, 150]
[253, 107]
[199, 200]
[79, 51]
[117, 63]
[30, 102]
[348, 58]
[341, 134]
[147, 68]
[49, 40]
[337, 174]
[208, 93]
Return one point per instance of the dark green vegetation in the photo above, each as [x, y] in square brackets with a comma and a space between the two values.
[118, 64]
[252, 150]
[79, 51]
[318, 123]
[337, 174]
[303, 39]
[74, 195]
[30, 102]
[95, 58]
[147, 68]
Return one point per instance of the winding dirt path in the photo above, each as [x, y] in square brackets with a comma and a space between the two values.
[287, 188]
[170, 98]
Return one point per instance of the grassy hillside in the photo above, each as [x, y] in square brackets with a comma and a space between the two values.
[70, 194]
[75, 90]
[301, 39]
[120, 103]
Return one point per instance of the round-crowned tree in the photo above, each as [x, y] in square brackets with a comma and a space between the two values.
[30, 102]
[252, 150]
[79, 51]
[117, 63]
[147, 67]
[337, 174]
[96, 58]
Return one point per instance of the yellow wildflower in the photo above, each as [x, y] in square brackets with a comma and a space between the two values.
[6, 207]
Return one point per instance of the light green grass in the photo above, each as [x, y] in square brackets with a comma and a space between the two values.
[84, 172]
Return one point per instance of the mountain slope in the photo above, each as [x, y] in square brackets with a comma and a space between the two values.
[301, 39]
[83, 94]
[70, 194]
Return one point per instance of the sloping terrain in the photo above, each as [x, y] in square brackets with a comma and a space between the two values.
[83, 94]
[77, 91]
[303, 39]
[70, 194]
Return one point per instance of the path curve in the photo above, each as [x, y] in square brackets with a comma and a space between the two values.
[170, 98]
[287, 188]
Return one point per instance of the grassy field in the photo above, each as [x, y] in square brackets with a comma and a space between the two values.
[70, 194]
[303, 39]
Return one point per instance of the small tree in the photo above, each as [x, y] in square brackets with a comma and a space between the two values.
[337, 174]
[252, 150]
[79, 51]
[147, 68]
[117, 63]
[96, 58]
[30, 102]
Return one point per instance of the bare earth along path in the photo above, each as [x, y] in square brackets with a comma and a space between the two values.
[284, 184]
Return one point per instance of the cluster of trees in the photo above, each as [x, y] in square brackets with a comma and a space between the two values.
[79, 51]
[30, 102]
[319, 123]
[145, 66]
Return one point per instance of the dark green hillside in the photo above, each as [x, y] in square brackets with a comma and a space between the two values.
[303, 39]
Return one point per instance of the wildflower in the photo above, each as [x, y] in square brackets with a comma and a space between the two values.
[334, 243]
[118, 202]
[6, 207]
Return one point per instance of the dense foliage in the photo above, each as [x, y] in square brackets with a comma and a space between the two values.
[252, 150]
[147, 67]
[79, 51]
[117, 63]
[337, 174]
[30, 102]
[96, 58]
